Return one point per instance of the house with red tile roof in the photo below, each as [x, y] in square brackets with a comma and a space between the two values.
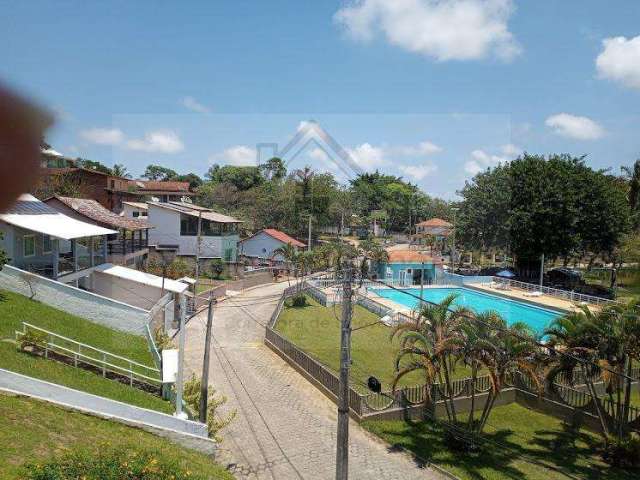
[261, 246]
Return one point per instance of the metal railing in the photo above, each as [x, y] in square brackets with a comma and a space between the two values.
[554, 292]
[105, 361]
[126, 246]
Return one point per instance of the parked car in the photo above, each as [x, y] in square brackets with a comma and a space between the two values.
[565, 278]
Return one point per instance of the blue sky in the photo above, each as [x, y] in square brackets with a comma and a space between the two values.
[432, 91]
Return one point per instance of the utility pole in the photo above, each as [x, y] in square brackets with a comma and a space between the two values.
[180, 375]
[204, 384]
[541, 270]
[342, 450]
[198, 243]
[309, 241]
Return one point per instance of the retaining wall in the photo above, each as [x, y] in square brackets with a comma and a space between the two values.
[96, 308]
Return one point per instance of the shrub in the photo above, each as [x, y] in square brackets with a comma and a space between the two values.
[109, 463]
[299, 300]
[215, 422]
[32, 338]
[162, 339]
[216, 267]
[623, 453]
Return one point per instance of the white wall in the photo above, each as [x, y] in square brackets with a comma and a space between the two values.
[260, 246]
[167, 232]
[129, 209]
[7, 242]
[126, 291]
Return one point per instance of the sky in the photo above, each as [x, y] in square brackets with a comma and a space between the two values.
[430, 90]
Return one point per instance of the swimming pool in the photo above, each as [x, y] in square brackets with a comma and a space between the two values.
[512, 311]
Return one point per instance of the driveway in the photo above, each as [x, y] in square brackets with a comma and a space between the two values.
[284, 428]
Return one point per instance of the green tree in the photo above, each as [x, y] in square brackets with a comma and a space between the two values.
[194, 180]
[273, 169]
[119, 170]
[93, 165]
[158, 172]
[3, 255]
[243, 178]
[632, 177]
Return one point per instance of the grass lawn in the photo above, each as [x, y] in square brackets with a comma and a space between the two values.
[15, 309]
[316, 329]
[32, 431]
[545, 440]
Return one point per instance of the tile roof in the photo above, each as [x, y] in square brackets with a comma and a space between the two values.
[281, 236]
[156, 186]
[92, 209]
[189, 209]
[435, 222]
[410, 256]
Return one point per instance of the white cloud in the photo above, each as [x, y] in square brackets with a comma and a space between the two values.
[103, 136]
[620, 60]
[418, 172]
[510, 150]
[238, 155]
[195, 106]
[573, 126]
[423, 148]
[481, 160]
[442, 29]
[368, 156]
[159, 141]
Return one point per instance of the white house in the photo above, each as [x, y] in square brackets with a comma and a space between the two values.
[262, 245]
[176, 225]
[134, 210]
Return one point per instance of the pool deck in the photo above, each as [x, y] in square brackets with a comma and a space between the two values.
[544, 301]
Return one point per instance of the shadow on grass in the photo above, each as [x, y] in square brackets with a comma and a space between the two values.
[565, 453]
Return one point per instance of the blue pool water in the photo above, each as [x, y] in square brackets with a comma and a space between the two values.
[512, 311]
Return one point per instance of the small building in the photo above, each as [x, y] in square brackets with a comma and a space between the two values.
[435, 226]
[409, 267]
[161, 191]
[129, 246]
[135, 210]
[260, 247]
[176, 224]
[40, 239]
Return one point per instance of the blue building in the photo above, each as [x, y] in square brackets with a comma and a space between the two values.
[410, 267]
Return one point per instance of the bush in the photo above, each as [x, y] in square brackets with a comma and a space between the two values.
[217, 268]
[162, 340]
[109, 463]
[215, 422]
[32, 338]
[299, 300]
[623, 453]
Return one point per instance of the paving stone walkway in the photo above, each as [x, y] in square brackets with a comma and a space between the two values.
[285, 428]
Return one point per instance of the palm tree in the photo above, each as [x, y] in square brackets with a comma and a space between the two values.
[576, 337]
[513, 347]
[430, 343]
[289, 253]
[478, 348]
[119, 170]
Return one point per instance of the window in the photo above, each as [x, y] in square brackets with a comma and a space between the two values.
[113, 184]
[29, 245]
[188, 225]
[136, 214]
[46, 243]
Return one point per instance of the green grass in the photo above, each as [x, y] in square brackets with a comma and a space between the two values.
[15, 309]
[521, 432]
[33, 431]
[316, 329]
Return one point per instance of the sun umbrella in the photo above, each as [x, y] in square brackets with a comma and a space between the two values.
[505, 274]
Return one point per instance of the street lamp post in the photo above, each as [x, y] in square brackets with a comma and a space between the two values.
[453, 241]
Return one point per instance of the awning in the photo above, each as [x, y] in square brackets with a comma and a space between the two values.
[142, 277]
[32, 214]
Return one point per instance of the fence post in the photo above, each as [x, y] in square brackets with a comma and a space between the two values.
[104, 365]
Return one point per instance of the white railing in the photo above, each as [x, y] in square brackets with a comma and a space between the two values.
[554, 292]
[101, 359]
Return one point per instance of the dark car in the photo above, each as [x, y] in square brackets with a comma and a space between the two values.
[563, 277]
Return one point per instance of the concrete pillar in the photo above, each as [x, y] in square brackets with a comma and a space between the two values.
[55, 254]
[74, 250]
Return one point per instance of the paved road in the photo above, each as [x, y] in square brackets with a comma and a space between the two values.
[285, 428]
